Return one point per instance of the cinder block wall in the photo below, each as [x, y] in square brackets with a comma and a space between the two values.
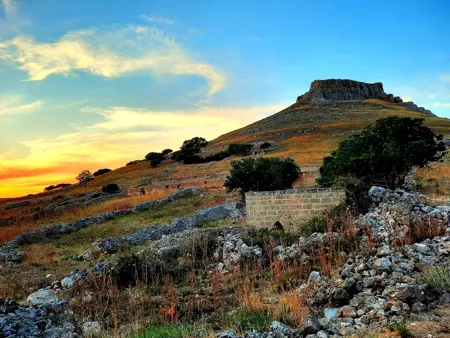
[289, 207]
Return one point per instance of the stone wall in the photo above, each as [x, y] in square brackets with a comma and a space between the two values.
[289, 207]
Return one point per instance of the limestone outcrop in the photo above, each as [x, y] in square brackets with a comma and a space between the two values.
[334, 90]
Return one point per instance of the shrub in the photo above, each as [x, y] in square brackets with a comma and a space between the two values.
[382, 154]
[239, 149]
[154, 156]
[166, 152]
[190, 159]
[217, 156]
[133, 162]
[102, 171]
[58, 186]
[111, 188]
[401, 328]
[340, 216]
[84, 176]
[194, 145]
[257, 174]
[155, 162]
[265, 145]
[438, 277]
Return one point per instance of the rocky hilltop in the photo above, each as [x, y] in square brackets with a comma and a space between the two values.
[334, 90]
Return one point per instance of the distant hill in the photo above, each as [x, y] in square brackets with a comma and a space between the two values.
[307, 131]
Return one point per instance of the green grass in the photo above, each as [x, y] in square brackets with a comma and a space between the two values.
[169, 330]
[401, 328]
[438, 277]
[247, 320]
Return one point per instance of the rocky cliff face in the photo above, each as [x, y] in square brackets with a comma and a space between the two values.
[334, 90]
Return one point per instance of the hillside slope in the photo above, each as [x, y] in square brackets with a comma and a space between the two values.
[304, 131]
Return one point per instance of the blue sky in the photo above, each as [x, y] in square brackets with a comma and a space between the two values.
[98, 83]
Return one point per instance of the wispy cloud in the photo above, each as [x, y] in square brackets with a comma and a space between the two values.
[124, 134]
[441, 104]
[255, 38]
[108, 54]
[10, 8]
[14, 105]
[157, 19]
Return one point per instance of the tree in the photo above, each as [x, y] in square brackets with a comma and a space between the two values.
[154, 156]
[166, 152]
[262, 174]
[194, 145]
[382, 154]
[102, 171]
[84, 176]
[239, 148]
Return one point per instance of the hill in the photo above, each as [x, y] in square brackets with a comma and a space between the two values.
[185, 260]
[307, 131]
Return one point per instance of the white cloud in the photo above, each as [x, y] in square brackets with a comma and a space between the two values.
[10, 8]
[157, 19]
[255, 38]
[13, 105]
[432, 96]
[129, 133]
[110, 54]
[441, 104]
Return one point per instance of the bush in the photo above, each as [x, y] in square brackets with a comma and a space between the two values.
[217, 156]
[340, 216]
[262, 174]
[438, 277]
[401, 329]
[265, 145]
[102, 171]
[133, 162]
[382, 154]
[111, 188]
[190, 159]
[154, 156]
[194, 145]
[166, 152]
[58, 186]
[239, 149]
[155, 162]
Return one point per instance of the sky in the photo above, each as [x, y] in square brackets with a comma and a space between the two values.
[93, 84]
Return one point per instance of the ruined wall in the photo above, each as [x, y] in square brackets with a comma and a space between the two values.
[289, 207]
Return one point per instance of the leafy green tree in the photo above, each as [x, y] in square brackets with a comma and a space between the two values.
[382, 154]
[194, 145]
[262, 174]
[166, 152]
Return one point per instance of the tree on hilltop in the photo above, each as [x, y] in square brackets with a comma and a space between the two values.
[84, 176]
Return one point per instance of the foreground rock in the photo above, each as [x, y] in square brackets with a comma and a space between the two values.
[230, 210]
[51, 320]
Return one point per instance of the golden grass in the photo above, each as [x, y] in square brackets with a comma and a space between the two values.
[8, 233]
[71, 215]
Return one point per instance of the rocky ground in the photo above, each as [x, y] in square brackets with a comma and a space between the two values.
[394, 270]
